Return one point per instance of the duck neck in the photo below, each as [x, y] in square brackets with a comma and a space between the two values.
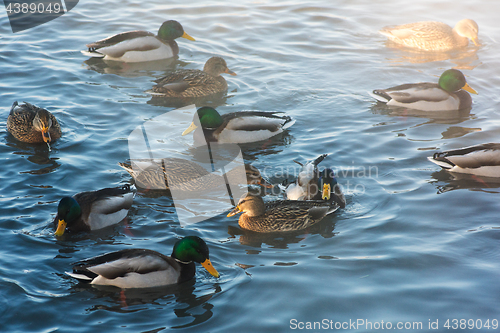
[187, 271]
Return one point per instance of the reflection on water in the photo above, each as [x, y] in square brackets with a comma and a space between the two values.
[325, 228]
[132, 69]
[456, 181]
[440, 117]
[38, 154]
[184, 300]
[462, 59]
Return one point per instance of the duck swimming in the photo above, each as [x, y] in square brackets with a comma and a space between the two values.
[139, 46]
[237, 127]
[281, 215]
[480, 160]
[142, 268]
[191, 83]
[449, 94]
[31, 124]
[433, 36]
[86, 211]
[187, 176]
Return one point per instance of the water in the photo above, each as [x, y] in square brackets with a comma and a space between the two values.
[414, 244]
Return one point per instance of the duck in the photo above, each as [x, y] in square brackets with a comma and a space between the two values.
[31, 124]
[237, 127]
[93, 210]
[312, 184]
[480, 160]
[143, 268]
[192, 83]
[187, 176]
[449, 94]
[433, 36]
[306, 185]
[140, 46]
[279, 215]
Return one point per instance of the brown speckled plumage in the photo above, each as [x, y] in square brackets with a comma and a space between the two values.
[25, 122]
[280, 216]
[183, 175]
[193, 82]
[433, 36]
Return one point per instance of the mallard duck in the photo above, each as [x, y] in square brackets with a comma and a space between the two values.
[449, 94]
[187, 176]
[433, 36]
[93, 210]
[280, 215]
[237, 127]
[312, 184]
[481, 160]
[141, 268]
[193, 82]
[306, 185]
[138, 46]
[29, 123]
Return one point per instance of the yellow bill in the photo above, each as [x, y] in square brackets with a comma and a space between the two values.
[191, 128]
[469, 89]
[235, 211]
[61, 227]
[208, 266]
[326, 192]
[45, 134]
[185, 35]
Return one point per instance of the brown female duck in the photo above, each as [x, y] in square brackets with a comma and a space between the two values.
[193, 82]
[29, 123]
[282, 215]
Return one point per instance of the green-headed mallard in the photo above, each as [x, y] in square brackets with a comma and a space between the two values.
[280, 215]
[93, 210]
[138, 46]
[141, 268]
[449, 94]
[312, 184]
[29, 123]
[190, 83]
[433, 36]
[187, 176]
[237, 127]
[480, 160]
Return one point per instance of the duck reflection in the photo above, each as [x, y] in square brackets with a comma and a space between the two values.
[446, 181]
[184, 300]
[128, 69]
[433, 117]
[38, 154]
[325, 228]
[214, 100]
[463, 59]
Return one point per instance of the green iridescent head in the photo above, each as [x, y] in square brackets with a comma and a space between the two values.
[453, 80]
[171, 30]
[68, 211]
[193, 248]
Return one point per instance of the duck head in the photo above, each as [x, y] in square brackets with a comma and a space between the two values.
[171, 30]
[68, 212]
[453, 80]
[193, 248]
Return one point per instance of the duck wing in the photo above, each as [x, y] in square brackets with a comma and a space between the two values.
[120, 263]
[118, 38]
[105, 207]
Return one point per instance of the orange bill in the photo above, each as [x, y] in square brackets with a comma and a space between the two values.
[469, 89]
[235, 211]
[208, 266]
[185, 35]
[326, 192]
[61, 227]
